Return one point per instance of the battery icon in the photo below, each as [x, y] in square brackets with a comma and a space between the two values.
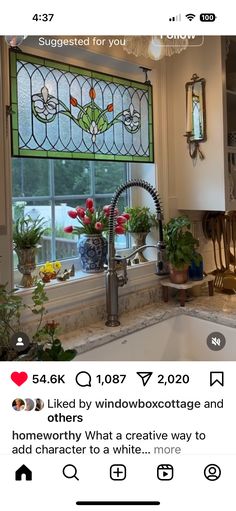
[207, 16]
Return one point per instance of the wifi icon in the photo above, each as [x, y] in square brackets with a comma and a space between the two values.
[190, 17]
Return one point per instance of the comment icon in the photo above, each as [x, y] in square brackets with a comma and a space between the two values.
[70, 472]
[83, 379]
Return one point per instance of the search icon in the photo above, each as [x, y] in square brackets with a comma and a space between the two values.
[70, 471]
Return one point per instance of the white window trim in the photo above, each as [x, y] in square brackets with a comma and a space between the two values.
[88, 287]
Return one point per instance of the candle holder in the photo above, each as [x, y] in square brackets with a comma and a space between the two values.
[195, 116]
[193, 147]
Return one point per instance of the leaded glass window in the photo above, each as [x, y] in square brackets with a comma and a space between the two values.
[63, 111]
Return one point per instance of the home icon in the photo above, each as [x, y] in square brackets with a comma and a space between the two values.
[23, 471]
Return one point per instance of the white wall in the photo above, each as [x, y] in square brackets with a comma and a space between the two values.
[200, 185]
[5, 178]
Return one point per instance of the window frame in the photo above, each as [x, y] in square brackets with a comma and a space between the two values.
[159, 93]
[52, 200]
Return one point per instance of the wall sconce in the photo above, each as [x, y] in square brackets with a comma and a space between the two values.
[195, 116]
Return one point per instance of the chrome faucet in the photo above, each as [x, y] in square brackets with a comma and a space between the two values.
[113, 280]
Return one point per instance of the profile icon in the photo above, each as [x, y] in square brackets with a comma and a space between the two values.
[212, 472]
[15, 40]
[29, 404]
[19, 342]
[39, 404]
[18, 404]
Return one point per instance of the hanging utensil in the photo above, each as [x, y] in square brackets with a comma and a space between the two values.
[218, 282]
[228, 240]
[213, 238]
[233, 226]
[223, 228]
[218, 227]
[229, 277]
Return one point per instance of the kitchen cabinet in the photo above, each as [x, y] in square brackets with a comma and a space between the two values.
[208, 184]
[229, 52]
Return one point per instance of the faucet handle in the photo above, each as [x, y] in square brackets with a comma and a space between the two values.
[121, 264]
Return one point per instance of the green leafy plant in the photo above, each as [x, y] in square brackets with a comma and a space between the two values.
[27, 232]
[141, 220]
[11, 307]
[180, 243]
[45, 344]
[53, 350]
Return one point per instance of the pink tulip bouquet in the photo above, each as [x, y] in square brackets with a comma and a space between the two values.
[92, 221]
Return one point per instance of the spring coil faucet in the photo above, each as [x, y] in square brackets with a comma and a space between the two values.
[114, 281]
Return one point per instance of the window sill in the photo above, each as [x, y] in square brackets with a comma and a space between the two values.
[88, 288]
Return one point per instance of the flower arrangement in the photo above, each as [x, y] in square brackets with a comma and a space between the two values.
[49, 270]
[93, 221]
[140, 219]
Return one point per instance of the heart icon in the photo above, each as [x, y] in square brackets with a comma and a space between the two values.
[19, 378]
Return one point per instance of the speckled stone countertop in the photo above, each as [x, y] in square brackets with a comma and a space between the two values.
[220, 309]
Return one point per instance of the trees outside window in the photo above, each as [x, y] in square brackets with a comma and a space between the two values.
[49, 188]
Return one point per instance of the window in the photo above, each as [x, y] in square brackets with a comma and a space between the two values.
[49, 188]
[63, 111]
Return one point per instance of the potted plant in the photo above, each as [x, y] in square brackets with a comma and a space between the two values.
[45, 344]
[92, 224]
[49, 270]
[26, 236]
[180, 248]
[139, 224]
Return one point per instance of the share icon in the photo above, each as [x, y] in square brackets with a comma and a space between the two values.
[145, 376]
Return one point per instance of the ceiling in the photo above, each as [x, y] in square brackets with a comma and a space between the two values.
[91, 54]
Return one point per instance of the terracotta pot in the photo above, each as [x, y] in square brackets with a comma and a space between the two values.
[178, 276]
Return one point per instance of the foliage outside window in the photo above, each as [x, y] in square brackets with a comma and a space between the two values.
[50, 188]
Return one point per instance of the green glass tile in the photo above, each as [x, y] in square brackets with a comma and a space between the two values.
[102, 76]
[150, 134]
[142, 159]
[33, 153]
[104, 156]
[15, 144]
[123, 157]
[108, 157]
[121, 81]
[57, 65]
[150, 95]
[151, 152]
[59, 154]
[150, 113]
[14, 118]
[142, 86]
[80, 71]
[13, 64]
[14, 92]
[25, 57]
[83, 156]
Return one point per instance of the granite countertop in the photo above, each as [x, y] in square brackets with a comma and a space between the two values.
[219, 309]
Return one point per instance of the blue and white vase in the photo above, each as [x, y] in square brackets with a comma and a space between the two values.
[92, 252]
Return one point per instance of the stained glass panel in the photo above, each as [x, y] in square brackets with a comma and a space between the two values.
[61, 111]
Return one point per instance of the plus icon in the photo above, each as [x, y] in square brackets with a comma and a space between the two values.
[117, 472]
